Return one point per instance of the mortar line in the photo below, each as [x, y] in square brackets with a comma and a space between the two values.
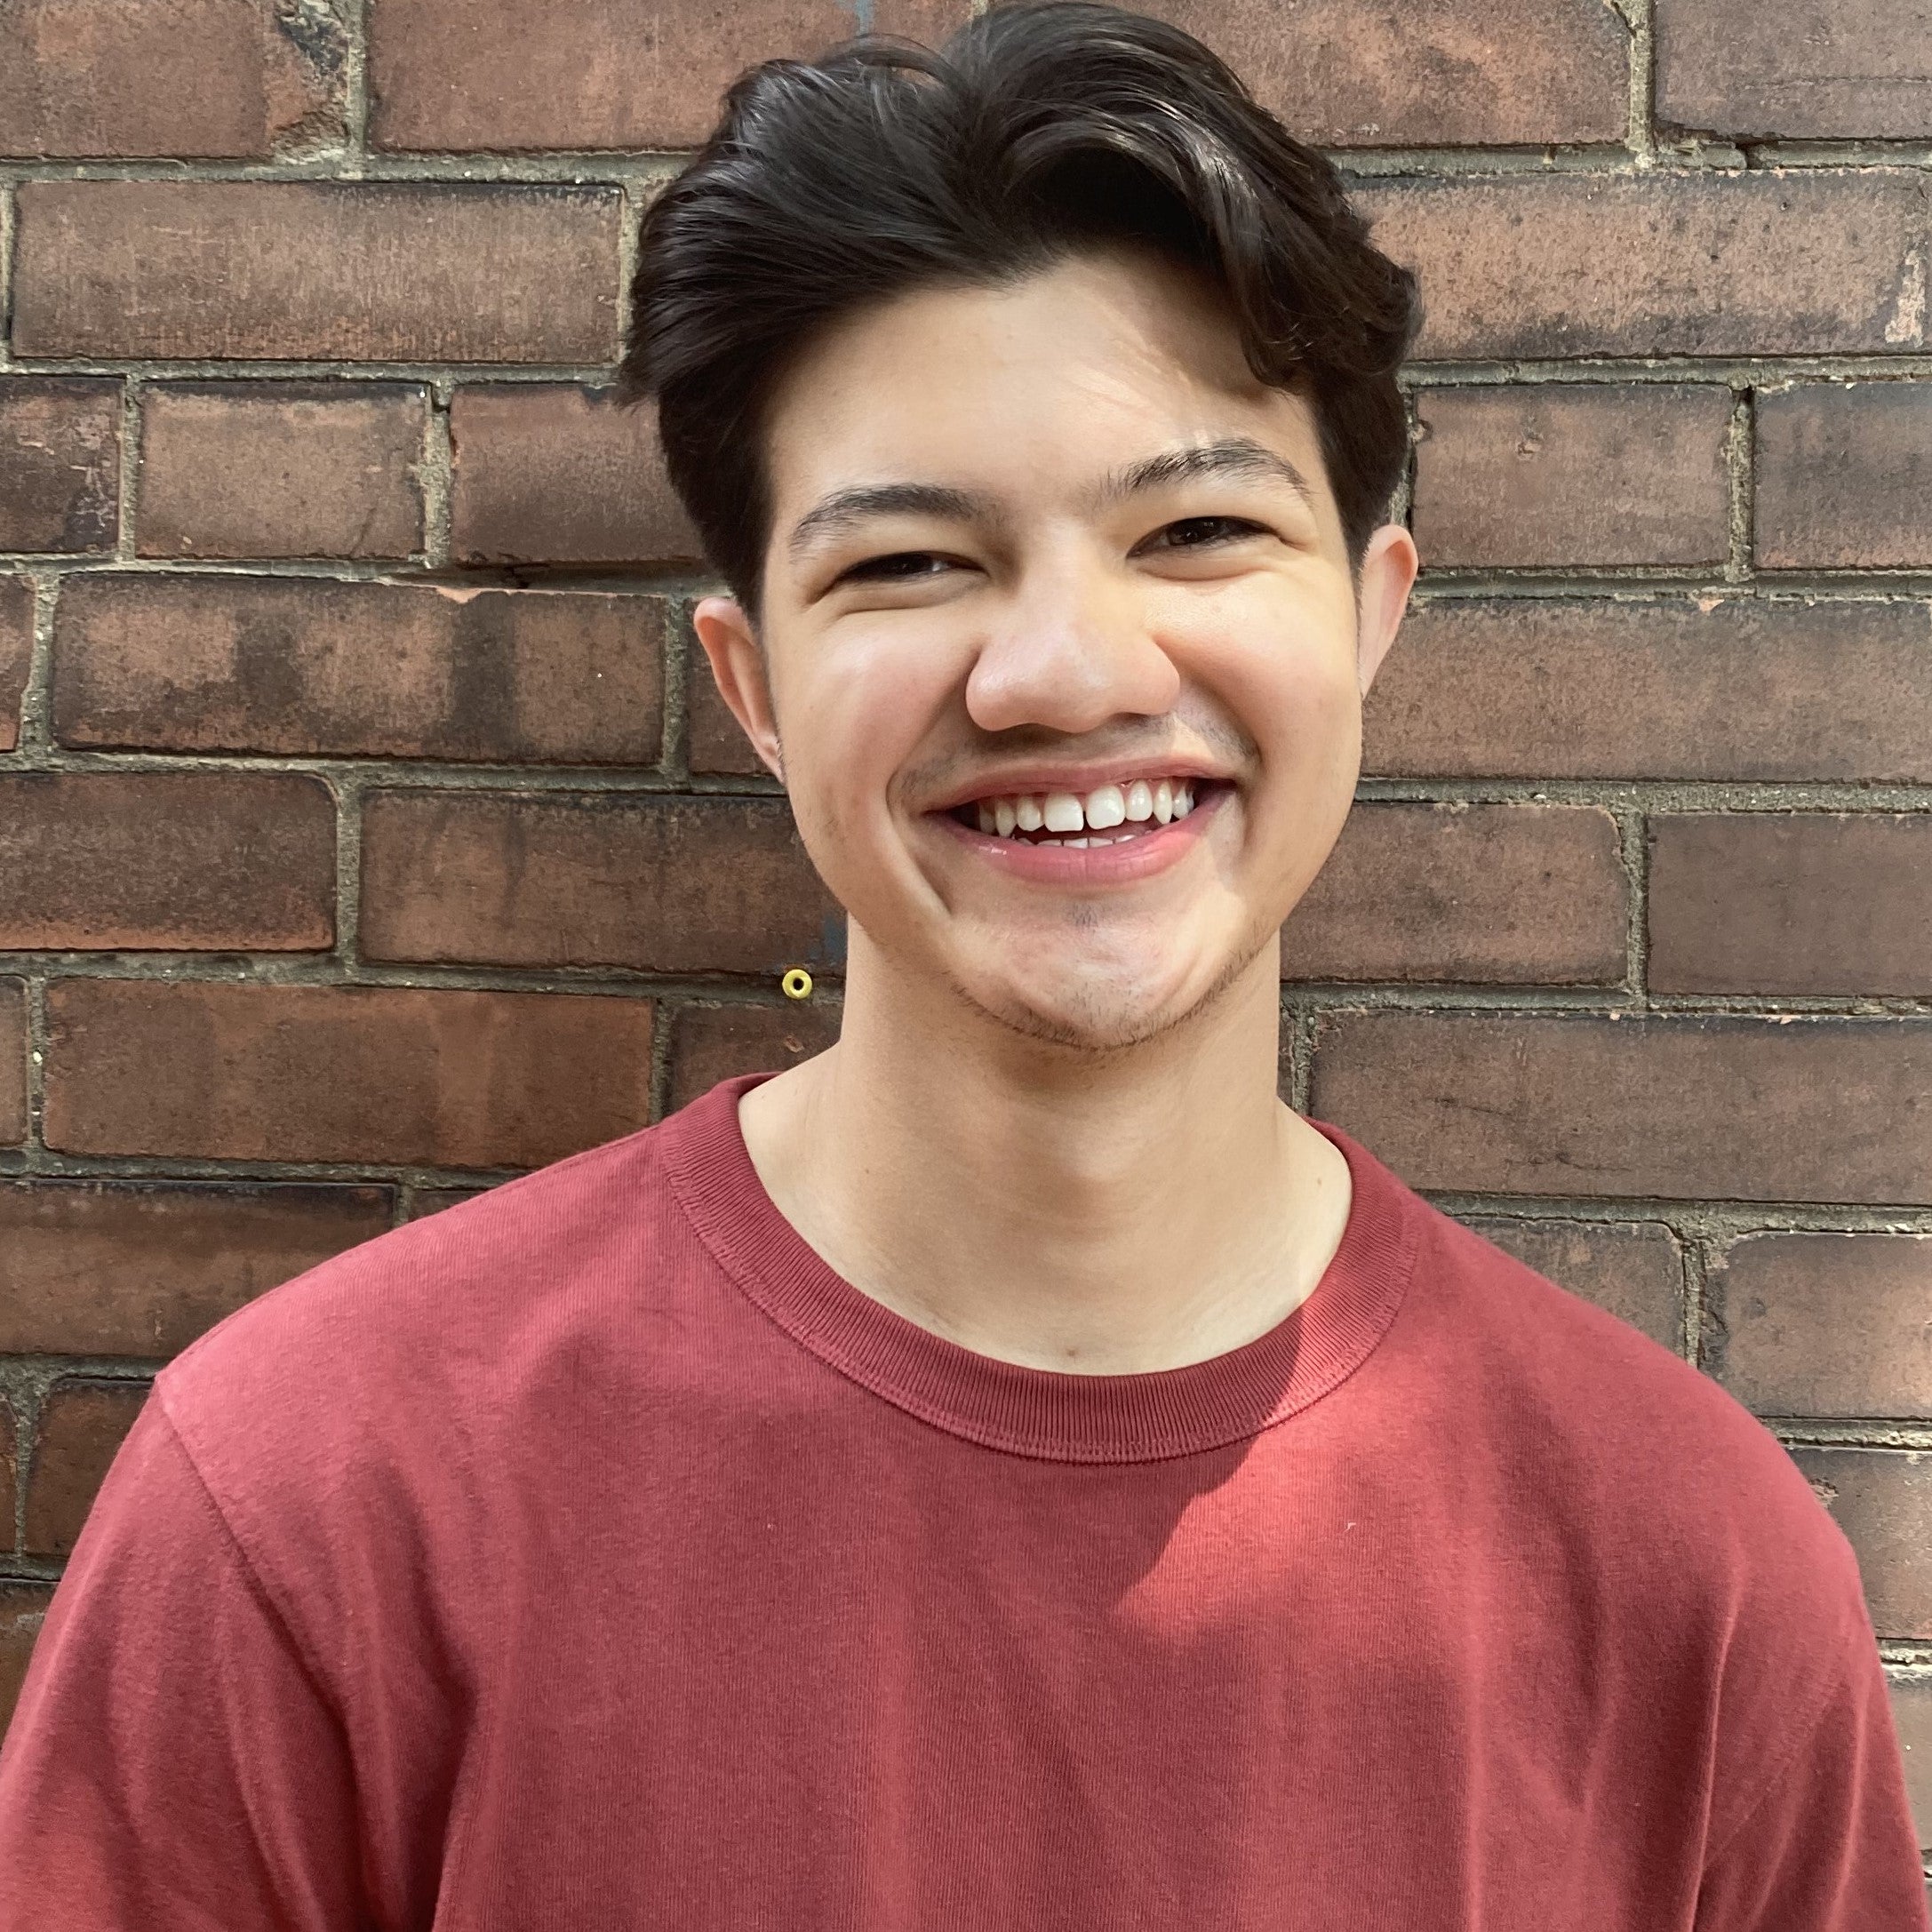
[662, 1019]
[1697, 1260]
[1640, 16]
[1634, 838]
[1741, 468]
[437, 478]
[353, 162]
[346, 791]
[7, 226]
[36, 743]
[677, 665]
[127, 506]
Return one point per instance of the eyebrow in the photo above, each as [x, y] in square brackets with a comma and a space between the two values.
[1231, 456]
[844, 507]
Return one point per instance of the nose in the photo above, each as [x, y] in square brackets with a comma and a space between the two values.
[1068, 651]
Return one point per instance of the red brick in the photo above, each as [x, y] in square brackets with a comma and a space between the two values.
[140, 1268]
[1912, 1712]
[16, 654]
[1425, 73]
[285, 665]
[59, 464]
[278, 469]
[1602, 689]
[594, 879]
[387, 1075]
[1882, 1500]
[1633, 1271]
[237, 861]
[710, 1043]
[188, 79]
[345, 271]
[1679, 1107]
[718, 744]
[1791, 902]
[23, 1608]
[1662, 265]
[548, 473]
[1759, 67]
[13, 1063]
[1573, 473]
[592, 73]
[83, 1422]
[1466, 893]
[1845, 476]
[1825, 1324]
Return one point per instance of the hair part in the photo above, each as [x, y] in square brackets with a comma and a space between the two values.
[1035, 134]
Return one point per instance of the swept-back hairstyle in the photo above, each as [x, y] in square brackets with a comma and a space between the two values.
[1036, 133]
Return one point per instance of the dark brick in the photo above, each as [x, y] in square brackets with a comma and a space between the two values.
[277, 469]
[548, 473]
[23, 1608]
[718, 744]
[83, 1423]
[13, 1063]
[1679, 1107]
[59, 464]
[424, 1201]
[342, 271]
[1844, 475]
[387, 1075]
[16, 654]
[1912, 1712]
[1791, 902]
[593, 74]
[1573, 473]
[1425, 73]
[1707, 263]
[1882, 1500]
[190, 79]
[1597, 689]
[1466, 893]
[239, 861]
[1825, 1324]
[710, 1043]
[9, 1470]
[297, 667]
[139, 1268]
[1759, 67]
[599, 879]
[1633, 1271]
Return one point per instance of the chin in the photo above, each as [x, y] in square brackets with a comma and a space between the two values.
[1097, 1010]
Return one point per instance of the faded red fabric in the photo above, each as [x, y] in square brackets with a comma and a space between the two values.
[590, 1556]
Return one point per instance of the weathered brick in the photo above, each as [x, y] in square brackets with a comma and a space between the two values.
[710, 1043]
[1425, 73]
[83, 1422]
[9, 1469]
[549, 472]
[1882, 1500]
[16, 654]
[278, 665]
[593, 74]
[141, 1268]
[199, 79]
[1600, 688]
[1679, 1107]
[1662, 265]
[341, 1073]
[1468, 893]
[1824, 1324]
[59, 464]
[424, 1201]
[23, 1608]
[278, 469]
[1633, 1269]
[346, 271]
[1912, 1714]
[13, 1063]
[1791, 902]
[1573, 473]
[237, 861]
[596, 878]
[718, 744]
[1760, 68]
[1844, 475]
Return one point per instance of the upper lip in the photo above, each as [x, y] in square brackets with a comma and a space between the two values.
[1078, 779]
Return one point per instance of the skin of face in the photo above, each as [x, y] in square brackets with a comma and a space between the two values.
[1045, 535]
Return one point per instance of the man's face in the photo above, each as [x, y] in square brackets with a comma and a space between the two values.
[1060, 653]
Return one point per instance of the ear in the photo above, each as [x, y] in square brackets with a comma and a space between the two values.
[737, 668]
[1388, 570]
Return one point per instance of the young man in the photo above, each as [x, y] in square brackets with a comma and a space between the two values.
[1009, 1471]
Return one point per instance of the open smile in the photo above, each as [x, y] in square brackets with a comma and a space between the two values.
[1109, 835]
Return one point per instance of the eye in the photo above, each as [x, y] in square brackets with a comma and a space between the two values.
[1198, 532]
[901, 567]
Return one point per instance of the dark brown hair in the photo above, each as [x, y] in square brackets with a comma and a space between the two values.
[1035, 133]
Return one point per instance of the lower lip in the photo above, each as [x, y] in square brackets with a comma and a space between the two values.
[1066, 866]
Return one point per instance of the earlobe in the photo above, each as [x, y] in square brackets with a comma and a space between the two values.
[1388, 572]
[737, 668]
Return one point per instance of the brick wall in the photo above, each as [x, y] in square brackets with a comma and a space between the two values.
[367, 833]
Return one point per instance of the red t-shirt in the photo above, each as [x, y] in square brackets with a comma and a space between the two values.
[591, 1556]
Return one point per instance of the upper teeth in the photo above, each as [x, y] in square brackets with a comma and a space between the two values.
[1102, 808]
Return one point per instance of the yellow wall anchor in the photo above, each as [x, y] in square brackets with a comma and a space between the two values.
[797, 983]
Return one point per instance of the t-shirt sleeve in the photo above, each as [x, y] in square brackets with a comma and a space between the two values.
[172, 1764]
[1830, 1845]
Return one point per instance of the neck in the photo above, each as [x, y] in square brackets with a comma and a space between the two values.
[1098, 1213]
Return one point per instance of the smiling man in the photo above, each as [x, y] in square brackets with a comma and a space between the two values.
[1009, 1471]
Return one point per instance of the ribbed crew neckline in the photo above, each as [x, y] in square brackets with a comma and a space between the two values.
[1038, 1412]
